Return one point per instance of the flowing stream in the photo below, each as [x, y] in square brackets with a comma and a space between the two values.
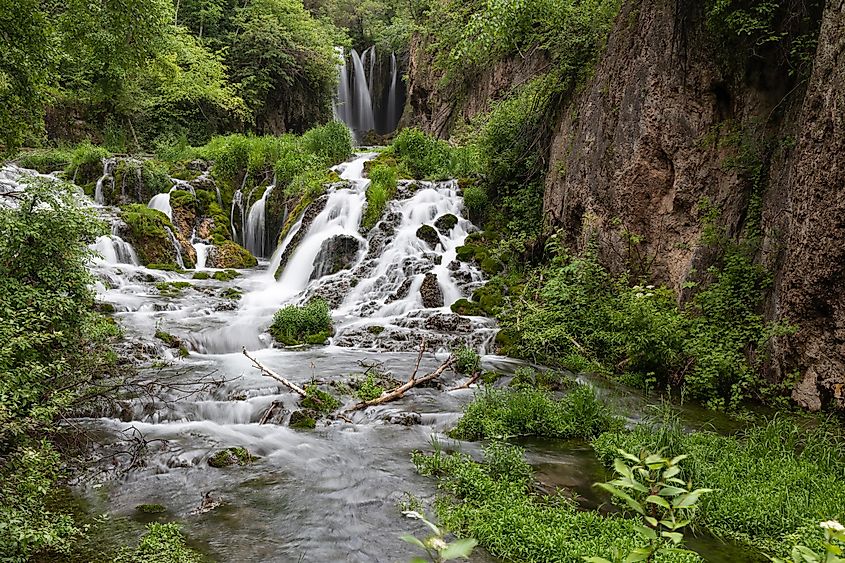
[333, 493]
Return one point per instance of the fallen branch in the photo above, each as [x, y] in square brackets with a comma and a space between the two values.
[413, 381]
[473, 378]
[271, 411]
[270, 373]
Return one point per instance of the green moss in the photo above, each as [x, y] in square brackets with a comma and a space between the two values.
[148, 235]
[170, 340]
[381, 190]
[429, 235]
[150, 508]
[467, 308]
[231, 456]
[445, 223]
[225, 275]
[375, 329]
[318, 400]
[86, 163]
[303, 420]
[139, 180]
[165, 268]
[172, 288]
[231, 293]
[44, 160]
[232, 255]
[201, 276]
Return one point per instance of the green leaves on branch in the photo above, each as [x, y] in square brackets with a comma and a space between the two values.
[436, 547]
[650, 486]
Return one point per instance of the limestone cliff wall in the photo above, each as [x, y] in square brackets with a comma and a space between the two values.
[664, 123]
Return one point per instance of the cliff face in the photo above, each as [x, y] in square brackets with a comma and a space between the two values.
[665, 123]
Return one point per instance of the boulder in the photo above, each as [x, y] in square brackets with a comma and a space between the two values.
[336, 254]
[445, 223]
[428, 235]
[432, 295]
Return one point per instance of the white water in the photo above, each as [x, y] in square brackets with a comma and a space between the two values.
[115, 250]
[176, 247]
[202, 254]
[108, 168]
[162, 203]
[363, 103]
[392, 115]
[255, 239]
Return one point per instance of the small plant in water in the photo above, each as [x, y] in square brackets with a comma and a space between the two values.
[436, 547]
[834, 547]
[649, 484]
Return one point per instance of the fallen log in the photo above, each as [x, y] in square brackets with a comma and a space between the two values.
[270, 373]
[473, 378]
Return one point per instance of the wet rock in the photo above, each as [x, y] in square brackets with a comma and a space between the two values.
[231, 255]
[402, 292]
[308, 217]
[231, 456]
[405, 418]
[428, 235]
[303, 419]
[336, 254]
[432, 295]
[445, 223]
[448, 322]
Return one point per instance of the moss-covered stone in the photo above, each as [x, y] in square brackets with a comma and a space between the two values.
[172, 288]
[375, 329]
[201, 276]
[490, 296]
[138, 181]
[146, 230]
[467, 308]
[429, 235]
[303, 419]
[318, 400]
[232, 255]
[225, 275]
[231, 456]
[231, 293]
[445, 223]
[170, 340]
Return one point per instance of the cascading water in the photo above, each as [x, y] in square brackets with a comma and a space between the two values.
[161, 202]
[362, 103]
[176, 246]
[392, 115]
[255, 239]
[108, 168]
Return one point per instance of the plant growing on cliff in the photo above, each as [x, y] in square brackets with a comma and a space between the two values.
[302, 324]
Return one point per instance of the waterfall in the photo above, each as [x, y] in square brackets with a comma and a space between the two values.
[162, 203]
[363, 104]
[343, 102]
[371, 59]
[392, 117]
[176, 246]
[115, 250]
[108, 167]
[202, 254]
[254, 228]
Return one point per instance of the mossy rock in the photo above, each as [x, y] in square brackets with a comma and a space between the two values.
[375, 329]
[467, 308]
[491, 266]
[146, 230]
[429, 235]
[150, 508]
[172, 288]
[490, 297]
[225, 275]
[201, 276]
[231, 293]
[231, 456]
[318, 400]
[304, 419]
[445, 223]
[170, 340]
[138, 181]
[232, 255]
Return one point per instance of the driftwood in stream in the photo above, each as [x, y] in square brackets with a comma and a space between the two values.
[473, 378]
[413, 381]
[270, 373]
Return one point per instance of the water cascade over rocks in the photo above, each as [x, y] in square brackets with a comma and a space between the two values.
[319, 481]
[370, 94]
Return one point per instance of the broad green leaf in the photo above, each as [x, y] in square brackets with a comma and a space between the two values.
[412, 540]
[676, 537]
[659, 501]
[646, 532]
[671, 491]
[459, 549]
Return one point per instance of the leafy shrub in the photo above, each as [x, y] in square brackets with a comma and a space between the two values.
[756, 477]
[369, 388]
[45, 160]
[532, 412]
[332, 142]
[494, 502]
[475, 200]
[319, 400]
[86, 163]
[381, 190]
[305, 324]
[421, 155]
[467, 360]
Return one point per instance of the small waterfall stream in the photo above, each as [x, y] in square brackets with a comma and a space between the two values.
[255, 237]
[161, 202]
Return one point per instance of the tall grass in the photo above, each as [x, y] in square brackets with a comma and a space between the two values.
[381, 189]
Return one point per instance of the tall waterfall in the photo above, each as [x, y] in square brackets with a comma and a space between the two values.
[368, 98]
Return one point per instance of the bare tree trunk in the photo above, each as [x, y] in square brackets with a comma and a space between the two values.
[270, 373]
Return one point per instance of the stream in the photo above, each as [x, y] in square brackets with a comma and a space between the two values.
[332, 493]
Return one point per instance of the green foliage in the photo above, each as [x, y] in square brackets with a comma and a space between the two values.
[475, 200]
[302, 324]
[44, 160]
[496, 413]
[232, 255]
[435, 546]
[163, 543]
[578, 309]
[318, 400]
[369, 388]
[53, 348]
[834, 546]
[467, 360]
[755, 477]
[650, 485]
[28, 58]
[86, 163]
[331, 142]
[381, 190]
[495, 503]
[147, 231]
[422, 156]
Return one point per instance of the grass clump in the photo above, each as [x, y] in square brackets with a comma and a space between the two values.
[201, 276]
[45, 160]
[370, 388]
[467, 360]
[421, 156]
[225, 275]
[495, 503]
[381, 190]
[172, 288]
[496, 413]
[773, 483]
[161, 543]
[302, 324]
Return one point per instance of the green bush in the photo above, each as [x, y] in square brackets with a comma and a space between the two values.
[495, 503]
[467, 360]
[305, 324]
[421, 155]
[318, 400]
[475, 200]
[332, 142]
[773, 484]
[381, 190]
[45, 160]
[498, 413]
[86, 163]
